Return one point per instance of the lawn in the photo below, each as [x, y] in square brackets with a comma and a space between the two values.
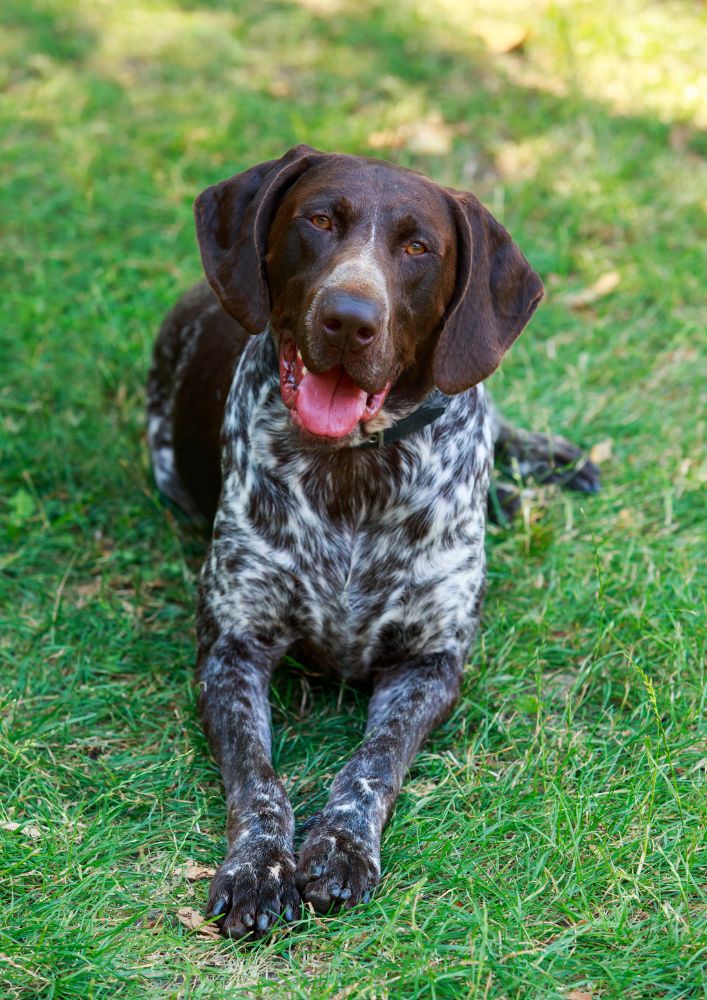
[550, 840]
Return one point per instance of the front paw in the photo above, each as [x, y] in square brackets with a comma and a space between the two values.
[336, 869]
[253, 888]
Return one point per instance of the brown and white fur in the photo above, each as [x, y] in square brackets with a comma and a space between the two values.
[367, 562]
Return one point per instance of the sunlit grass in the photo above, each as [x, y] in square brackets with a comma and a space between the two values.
[546, 841]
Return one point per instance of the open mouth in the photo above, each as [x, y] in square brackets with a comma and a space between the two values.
[329, 404]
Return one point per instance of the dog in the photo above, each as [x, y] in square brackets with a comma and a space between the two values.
[320, 401]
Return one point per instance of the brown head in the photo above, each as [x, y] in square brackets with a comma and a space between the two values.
[377, 283]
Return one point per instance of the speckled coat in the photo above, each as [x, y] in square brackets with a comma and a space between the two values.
[360, 577]
[382, 584]
[366, 563]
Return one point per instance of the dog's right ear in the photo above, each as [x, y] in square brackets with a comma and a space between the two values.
[233, 219]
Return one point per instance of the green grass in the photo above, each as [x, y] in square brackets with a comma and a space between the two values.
[550, 838]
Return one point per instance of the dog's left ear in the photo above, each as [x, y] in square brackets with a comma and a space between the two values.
[496, 293]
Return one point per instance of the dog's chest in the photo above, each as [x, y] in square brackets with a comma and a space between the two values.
[358, 558]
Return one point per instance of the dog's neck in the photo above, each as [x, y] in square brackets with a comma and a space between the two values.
[420, 416]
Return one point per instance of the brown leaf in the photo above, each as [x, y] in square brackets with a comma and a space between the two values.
[280, 89]
[153, 922]
[430, 136]
[601, 451]
[317, 920]
[500, 37]
[322, 8]
[195, 872]
[603, 286]
[385, 139]
[579, 995]
[86, 593]
[627, 518]
[195, 921]
[31, 831]
[679, 137]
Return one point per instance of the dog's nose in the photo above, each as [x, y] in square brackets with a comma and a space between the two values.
[350, 319]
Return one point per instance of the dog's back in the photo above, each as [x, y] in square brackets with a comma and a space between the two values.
[193, 362]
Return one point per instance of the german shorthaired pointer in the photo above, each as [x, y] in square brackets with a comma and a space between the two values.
[343, 454]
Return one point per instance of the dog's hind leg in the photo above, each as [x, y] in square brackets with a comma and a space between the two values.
[544, 458]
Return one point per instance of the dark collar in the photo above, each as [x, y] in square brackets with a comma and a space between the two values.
[433, 407]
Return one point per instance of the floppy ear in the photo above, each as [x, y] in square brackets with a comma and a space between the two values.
[233, 219]
[496, 294]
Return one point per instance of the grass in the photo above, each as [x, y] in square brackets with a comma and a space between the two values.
[547, 843]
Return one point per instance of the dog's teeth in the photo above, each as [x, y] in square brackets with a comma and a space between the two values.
[305, 371]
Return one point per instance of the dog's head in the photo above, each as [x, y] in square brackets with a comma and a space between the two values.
[374, 280]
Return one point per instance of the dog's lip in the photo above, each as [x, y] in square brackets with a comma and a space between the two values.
[293, 370]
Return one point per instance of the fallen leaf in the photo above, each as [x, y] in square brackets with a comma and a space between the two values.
[153, 922]
[500, 37]
[322, 8]
[195, 921]
[627, 518]
[280, 89]
[194, 872]
[421, 788]
[31, 831]
[430, 136]
[385, 139]
[603, 286]
[517, 161]
[317, 920]
[679, 137]
[347, 991]
[601, 451]
[579, 995]
[87, 592]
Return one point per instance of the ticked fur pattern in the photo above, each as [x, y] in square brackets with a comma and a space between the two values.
[382, 584]
[300, 536]
[367, 563]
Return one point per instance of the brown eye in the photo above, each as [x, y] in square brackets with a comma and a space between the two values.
[415, 248]
[321, 221]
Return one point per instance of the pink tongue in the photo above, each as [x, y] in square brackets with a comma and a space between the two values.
[330, 404]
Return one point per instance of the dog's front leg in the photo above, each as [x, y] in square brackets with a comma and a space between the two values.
[255, 884]
[339, 863]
